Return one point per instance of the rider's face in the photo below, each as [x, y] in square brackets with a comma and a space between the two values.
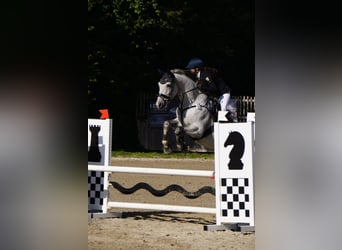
[194, 70]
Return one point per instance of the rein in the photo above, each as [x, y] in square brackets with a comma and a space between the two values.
[199, 106]
[181, 104]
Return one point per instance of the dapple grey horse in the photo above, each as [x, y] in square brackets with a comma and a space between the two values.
[192, 115]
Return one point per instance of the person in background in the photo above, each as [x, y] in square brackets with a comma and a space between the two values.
[209, 83]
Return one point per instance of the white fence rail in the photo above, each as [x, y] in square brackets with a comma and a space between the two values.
[159, 171]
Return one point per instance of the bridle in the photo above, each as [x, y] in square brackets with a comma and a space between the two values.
[164, 97]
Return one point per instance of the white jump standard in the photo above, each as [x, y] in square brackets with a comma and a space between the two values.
[234, 150]
[99, 154]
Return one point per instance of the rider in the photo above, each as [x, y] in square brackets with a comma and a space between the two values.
[209, 83]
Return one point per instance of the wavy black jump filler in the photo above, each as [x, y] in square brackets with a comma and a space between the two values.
[159, 193]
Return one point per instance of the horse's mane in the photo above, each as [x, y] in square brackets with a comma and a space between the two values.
[183, 72]
[178, 71]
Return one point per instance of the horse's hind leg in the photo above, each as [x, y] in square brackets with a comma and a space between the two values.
[179, 132]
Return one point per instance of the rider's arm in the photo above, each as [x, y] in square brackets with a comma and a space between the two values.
[207, 87]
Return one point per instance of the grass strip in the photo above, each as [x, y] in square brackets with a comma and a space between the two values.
[174, 155]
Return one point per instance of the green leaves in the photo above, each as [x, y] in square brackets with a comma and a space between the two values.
[139, 15]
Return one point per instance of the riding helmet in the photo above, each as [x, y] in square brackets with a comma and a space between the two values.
[195, 63]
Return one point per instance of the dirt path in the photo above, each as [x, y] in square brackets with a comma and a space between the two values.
[163, 230]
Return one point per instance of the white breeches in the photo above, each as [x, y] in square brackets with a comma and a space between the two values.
[224, 100]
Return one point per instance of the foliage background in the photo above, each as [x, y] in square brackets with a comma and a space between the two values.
[129, 40]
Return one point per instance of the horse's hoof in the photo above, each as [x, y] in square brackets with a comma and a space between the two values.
[182, 148]
[167, 150]
[186, 149]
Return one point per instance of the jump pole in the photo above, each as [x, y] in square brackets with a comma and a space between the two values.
[162, 207]
[159, 171]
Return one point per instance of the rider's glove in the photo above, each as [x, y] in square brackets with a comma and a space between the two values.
[199, 85]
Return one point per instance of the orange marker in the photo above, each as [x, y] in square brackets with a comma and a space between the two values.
[104, 114]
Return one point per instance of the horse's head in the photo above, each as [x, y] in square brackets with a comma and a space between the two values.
[167, 89]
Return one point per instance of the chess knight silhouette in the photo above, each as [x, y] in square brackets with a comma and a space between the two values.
[235, 155]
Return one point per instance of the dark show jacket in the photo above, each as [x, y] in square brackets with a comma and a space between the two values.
[211, 84]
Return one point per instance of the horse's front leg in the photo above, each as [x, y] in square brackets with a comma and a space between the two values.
[166, 127]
